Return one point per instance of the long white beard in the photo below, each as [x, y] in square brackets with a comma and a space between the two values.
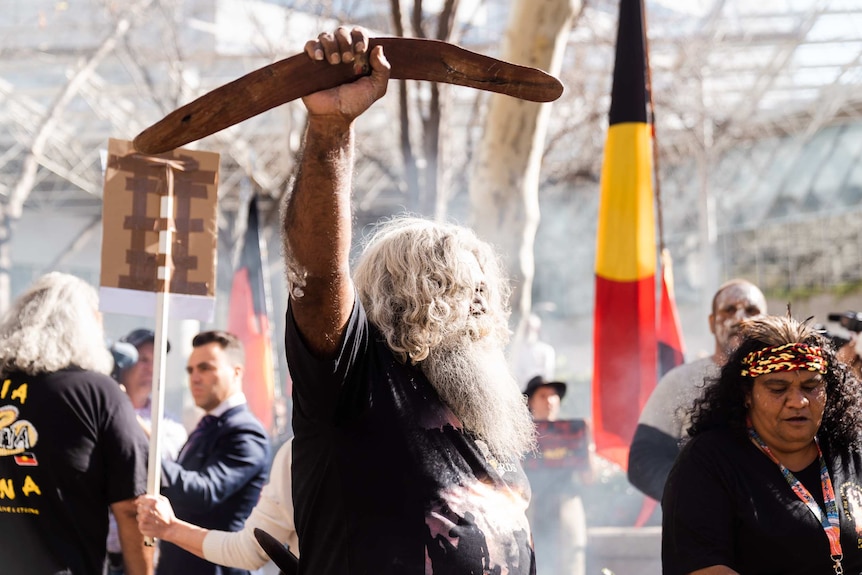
[473, 379]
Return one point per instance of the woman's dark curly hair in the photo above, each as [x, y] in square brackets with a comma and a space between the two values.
[722, 404]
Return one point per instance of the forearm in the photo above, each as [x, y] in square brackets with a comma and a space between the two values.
[156, 518]
[138, 558]
[273, 513]
[237, 549]
[317, 232]
[317, 217]
[651, 458]
[185, 535]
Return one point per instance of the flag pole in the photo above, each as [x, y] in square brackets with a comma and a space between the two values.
[648, 504]
[652, 121]
[668, 321]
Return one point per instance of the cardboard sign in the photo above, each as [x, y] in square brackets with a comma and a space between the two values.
[562, 445]
[135, 185]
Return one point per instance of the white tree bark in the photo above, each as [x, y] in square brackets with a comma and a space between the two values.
[505, 177]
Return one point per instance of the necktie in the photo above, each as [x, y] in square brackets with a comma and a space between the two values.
[206, 422]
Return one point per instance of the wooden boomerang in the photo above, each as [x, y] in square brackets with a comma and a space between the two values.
[280, 555]
[299, 75]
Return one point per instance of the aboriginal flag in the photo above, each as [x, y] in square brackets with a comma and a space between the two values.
[248, 320]
[26, 459]
[624, 335]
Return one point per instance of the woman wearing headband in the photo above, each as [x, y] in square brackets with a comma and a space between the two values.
[771, 480]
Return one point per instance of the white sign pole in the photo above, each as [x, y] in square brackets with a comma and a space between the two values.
[160, 345]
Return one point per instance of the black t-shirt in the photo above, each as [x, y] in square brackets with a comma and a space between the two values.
[726, 503]
[69, 447]
[385, 480]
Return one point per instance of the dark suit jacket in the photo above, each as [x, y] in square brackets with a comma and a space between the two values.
[215, 483]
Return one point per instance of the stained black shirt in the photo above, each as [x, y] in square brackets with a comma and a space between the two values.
[386, 480]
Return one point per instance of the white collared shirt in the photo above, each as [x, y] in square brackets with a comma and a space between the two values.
[232, 401]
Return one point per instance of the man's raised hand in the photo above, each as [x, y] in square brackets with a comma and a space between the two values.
[346, 102]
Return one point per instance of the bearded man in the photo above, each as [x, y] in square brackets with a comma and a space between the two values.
[409, 429]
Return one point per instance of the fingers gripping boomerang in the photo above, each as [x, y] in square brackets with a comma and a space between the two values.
[299, 75]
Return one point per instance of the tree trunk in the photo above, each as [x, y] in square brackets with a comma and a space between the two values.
[505, 178]
[426, 182]
[411, 171]
[437, 182]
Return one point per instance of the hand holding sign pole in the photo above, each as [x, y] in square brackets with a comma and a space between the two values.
[159, 251]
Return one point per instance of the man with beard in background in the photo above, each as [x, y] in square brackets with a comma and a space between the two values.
[664, 419]
[409, 429]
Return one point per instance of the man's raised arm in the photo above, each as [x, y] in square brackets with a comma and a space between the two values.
[316, 220]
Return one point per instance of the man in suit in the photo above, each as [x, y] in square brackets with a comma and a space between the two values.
[217, 478]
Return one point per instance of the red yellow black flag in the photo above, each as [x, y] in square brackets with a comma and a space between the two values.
[248, 320]
[624, 336]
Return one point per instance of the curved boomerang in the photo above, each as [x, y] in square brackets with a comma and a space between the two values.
[298, 76]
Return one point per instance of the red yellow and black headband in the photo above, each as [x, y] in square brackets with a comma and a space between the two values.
[787, 357]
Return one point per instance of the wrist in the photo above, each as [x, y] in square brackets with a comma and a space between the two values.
[329, 141]
[332, 126]
[172, 530]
